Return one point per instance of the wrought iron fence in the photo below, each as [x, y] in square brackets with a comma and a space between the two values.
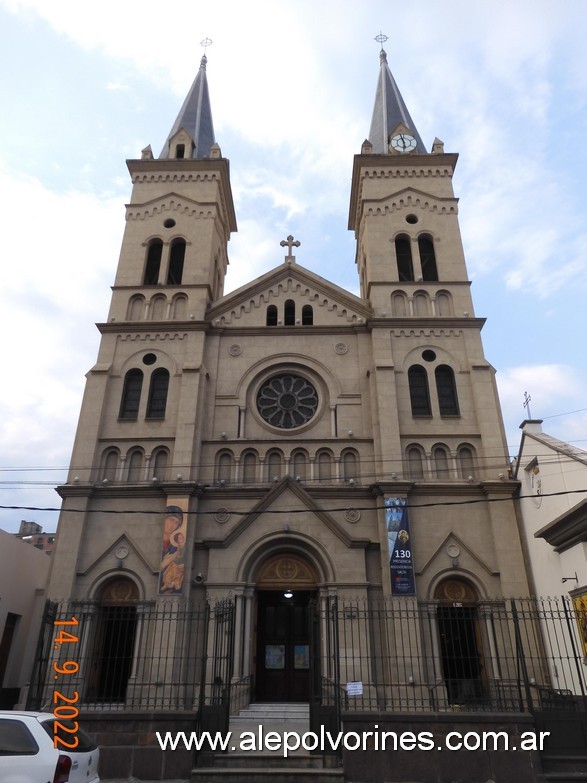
[136, 656]
[508, 655]
[398, 655]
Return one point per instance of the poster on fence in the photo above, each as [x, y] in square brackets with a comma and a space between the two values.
[172, 568]
[400, 547]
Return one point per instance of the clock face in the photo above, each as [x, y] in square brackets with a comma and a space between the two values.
[403, 142]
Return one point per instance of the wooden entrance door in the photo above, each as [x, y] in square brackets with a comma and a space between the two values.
[283, 647]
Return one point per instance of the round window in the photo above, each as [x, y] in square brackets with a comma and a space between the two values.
[287, 401]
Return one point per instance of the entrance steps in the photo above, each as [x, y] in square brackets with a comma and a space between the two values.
[265, 765]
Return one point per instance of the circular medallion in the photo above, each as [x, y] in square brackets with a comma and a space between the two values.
[341, 348]
[221, 515]
[235, 350]
[352, 515]
[287, 401]
[121, 552]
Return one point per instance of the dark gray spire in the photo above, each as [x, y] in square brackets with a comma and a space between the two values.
[389, 111]
[195, 117]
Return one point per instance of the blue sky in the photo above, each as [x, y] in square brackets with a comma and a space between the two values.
[292, 87]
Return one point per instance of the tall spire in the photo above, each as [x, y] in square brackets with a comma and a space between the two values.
[389, 111]
[195, 117]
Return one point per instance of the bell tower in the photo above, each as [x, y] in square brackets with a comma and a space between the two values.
[139, 422]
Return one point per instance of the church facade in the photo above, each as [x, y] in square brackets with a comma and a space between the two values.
[289, 444]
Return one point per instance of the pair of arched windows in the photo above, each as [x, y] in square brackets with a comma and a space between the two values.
[132, 390]
[289, 314]
[153, 262]
[446, 391]
[440, 462]
[405, 265]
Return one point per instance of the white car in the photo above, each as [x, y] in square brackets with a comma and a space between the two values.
[28, 753]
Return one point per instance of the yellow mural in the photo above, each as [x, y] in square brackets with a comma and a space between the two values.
[580, 607]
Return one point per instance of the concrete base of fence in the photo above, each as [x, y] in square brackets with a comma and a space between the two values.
[413, 763]
[129, 747]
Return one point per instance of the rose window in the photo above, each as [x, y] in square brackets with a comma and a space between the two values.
[287, 401]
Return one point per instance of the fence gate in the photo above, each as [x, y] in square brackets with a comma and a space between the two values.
[325, 691]
[42, 657]
[217, 668]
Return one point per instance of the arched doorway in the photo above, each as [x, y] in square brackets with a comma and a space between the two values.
[113, 642]
[285, 584]
[460, 642]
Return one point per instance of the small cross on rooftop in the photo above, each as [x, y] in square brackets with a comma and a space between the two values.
[289, 243]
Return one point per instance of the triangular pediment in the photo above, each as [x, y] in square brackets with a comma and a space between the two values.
[287, 497]
[110, 557]
[171, 202]
[442, 552]
[411, 198]
[181, 144]
[289, 281]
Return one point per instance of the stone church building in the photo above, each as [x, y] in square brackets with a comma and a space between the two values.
[289, 444]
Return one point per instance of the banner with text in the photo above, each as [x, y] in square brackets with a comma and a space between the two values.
[400, 550]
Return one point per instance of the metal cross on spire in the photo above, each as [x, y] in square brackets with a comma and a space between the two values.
[206, 42]
[527, 399]
[381, 38]
[289, 243]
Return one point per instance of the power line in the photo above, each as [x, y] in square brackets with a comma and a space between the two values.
[259, 512]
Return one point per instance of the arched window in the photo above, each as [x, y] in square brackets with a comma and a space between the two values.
[398, 305]
[158, 308]
[307, 315]
[446, 390]
[158, 394]
[289, 313]
[325, 474]
[131, 395]
[421, 305]
[274, 466]
[135, 466]
[466, 458]
[403, 253]
[272, 315]
[153, 263]
[159, 464]
[415, 462]
[440, 459]
[180, 308]
[443, 303]
[427, 258]
[300, 465]
[176, 258]
[350, 468]
[249, 467]
[110, 461]
[225, 463]
[136, 308]
[419, 393]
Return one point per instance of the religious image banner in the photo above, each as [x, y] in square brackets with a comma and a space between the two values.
[172, 568]
[580, 607]
[400, 550]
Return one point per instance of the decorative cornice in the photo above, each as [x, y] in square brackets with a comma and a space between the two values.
[144, 330]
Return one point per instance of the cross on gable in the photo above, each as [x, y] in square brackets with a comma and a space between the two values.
[527, 399]
[289, 243]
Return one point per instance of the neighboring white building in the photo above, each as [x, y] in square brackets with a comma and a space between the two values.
[553, 515]
[23, 578]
